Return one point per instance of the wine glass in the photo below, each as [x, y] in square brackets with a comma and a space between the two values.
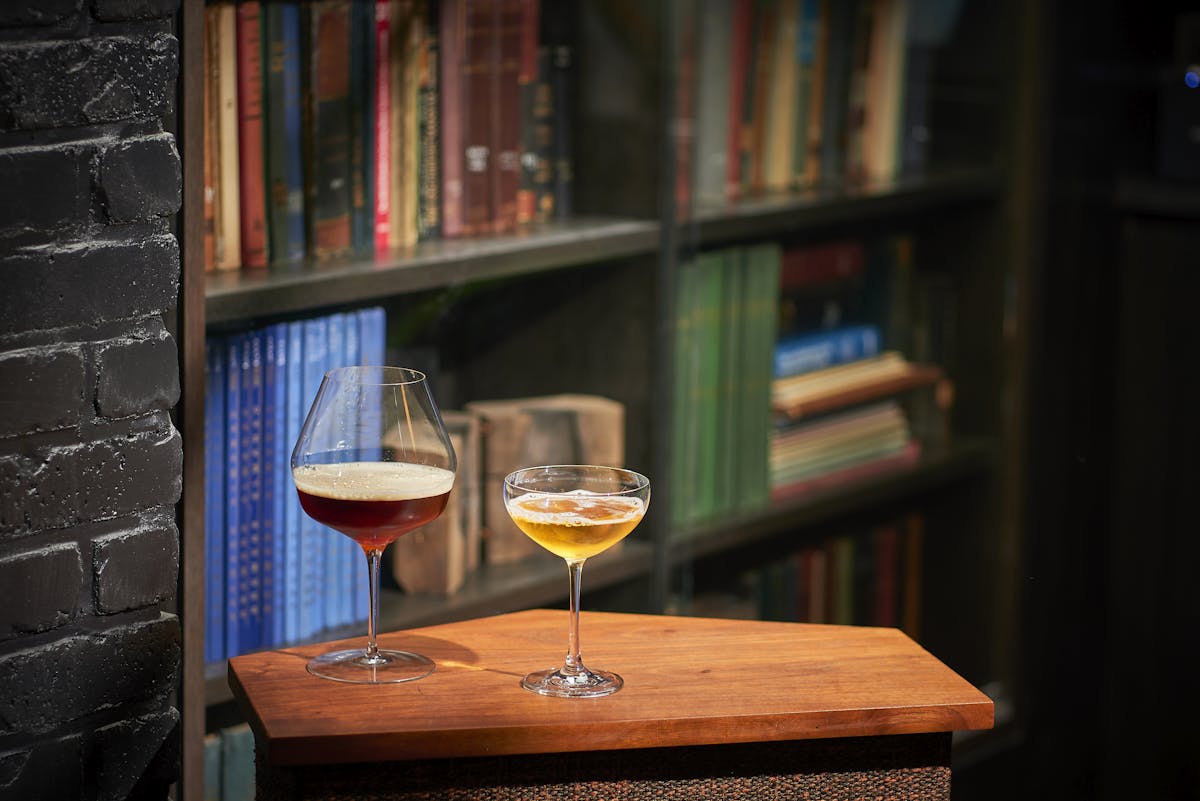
[373, 461]
[575, 511]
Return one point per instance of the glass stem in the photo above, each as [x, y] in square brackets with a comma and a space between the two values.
[373, 557]
[574, 663]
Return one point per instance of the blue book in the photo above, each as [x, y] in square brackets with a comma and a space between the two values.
[250, 553]
[362, 127]
[821, 349]
[352, 554]
[214, 502]
[313, 535]
[335, 574]
[237, 763]
[296, 407]
[233, 482]
[283, 131]
[276, 455]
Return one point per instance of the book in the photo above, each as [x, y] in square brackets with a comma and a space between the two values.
[848, 474]
[284, 133]
[277, 484]
[528, 122]
[506, 113]
[335, 596]
[835, 89]
[234, 346]
[360, 103]
[544, 132]
[227, 181]
[686, 359]
[762, 301]
[452, 40]
[237, 763]
[327, 76]
[712, 104]
[756, 101]
[295, 409]
[780, 132]
[740, 74]
[825, 263]
[211, 141]
[212, 767]
[885, 82]
[478, 115]
[886, 374]
[214, 501]
[557, 31]
[250, 520]
[429, 173]
[816, 350]
[810, 45]
[312, 534]
[253, 199]
[382, 136]
[406, 28]
[858, 83]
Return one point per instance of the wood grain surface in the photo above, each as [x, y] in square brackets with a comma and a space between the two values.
[688, 681]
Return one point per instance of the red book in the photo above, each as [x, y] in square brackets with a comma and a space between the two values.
[250, 135]
[383, 125]
[477, 115]
[527, 78]
[739, 66]
[453, 34]
[506, 113]
[821, 264]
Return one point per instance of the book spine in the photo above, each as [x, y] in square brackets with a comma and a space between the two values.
[506, 113]
[813, 133]
[398, 211]
[560, 29]
[411, 120]
[477, 115]
[838, 35]
[858, 86]
[350, 557]
[228, 205]
[233, 490]
[250, 134]
[250, 557]
[429, 200]
[294, 412]
[335, 575]
[210, 142]
[329, 129]
[543, 122]
[312, 539]
[284, 156]
[452, 36]
[820, 349]
[281, 480]
[739, 75]
[214, 502]
[361, 126]
[527, 77]
[807, 44]
[267, 519]
[383, 125]
[712, 109]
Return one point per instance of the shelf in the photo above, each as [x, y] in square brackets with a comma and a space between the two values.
[756, 218]
[955, 463]
[247, 294]
[537, 581]
[1155, 197]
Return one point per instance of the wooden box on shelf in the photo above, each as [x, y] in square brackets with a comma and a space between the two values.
[437, 557]
[551, 429]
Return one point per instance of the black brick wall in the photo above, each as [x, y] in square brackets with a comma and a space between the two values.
[90, 462]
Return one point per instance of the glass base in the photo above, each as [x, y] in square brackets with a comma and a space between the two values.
[580, 684]
[387, 667]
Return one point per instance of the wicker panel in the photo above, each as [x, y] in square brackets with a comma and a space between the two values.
[898, 768]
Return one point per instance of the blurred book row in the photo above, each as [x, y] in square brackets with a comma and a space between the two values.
[338, 128]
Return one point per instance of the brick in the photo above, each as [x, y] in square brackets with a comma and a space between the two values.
[134, 376]
[67, 83]
[119, 10]
[136, 568]
[36, 12]
[65, 680]
[55, 286]
[140, 178]
[51, 768]
[41, 389]
[41, 589]
[44, 187]
[66, 485]
[129, 754]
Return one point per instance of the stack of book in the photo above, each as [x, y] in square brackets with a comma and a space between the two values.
[338, 128]
[801, 92]
[275, 576]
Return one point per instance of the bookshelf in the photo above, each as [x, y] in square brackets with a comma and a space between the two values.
[535, 291]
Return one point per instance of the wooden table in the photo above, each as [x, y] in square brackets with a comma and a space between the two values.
[710, 709]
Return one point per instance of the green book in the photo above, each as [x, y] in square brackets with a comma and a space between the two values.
[212, 767]
[731, 381]
[683, 436]
[710, 277]
[237, 763]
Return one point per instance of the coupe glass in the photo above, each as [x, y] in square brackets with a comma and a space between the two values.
[373, 461]
[575, 511]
